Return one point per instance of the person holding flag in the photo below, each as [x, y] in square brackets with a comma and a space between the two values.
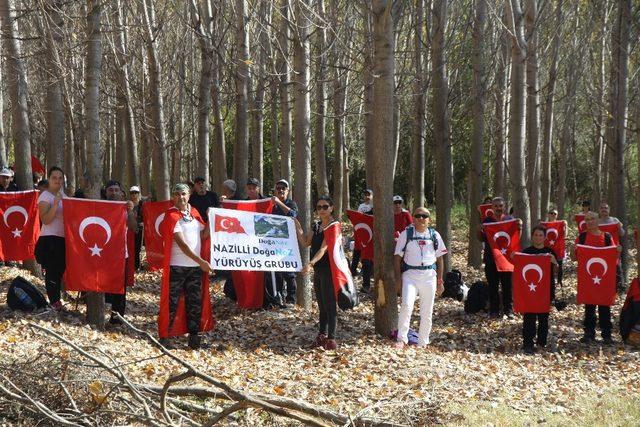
[557, 242]
[538, 236]
[50, 248]
[185, 305]
[419, 271]
[595, 237]
[322, 277]
[285, 206]
[366, 207]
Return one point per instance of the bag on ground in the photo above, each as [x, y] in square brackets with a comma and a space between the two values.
[477, 298]
[23, 295]
[453, 285]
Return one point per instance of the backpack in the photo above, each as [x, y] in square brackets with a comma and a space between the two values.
[477, 298]
[582, 237]
[453, 285]
[410, 237]
[23, 295]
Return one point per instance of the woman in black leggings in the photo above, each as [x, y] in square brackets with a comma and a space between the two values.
[50, 247]
[322, 280]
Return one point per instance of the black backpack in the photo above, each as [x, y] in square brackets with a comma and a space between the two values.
[23, 295]
[477, 298]
[453, 285]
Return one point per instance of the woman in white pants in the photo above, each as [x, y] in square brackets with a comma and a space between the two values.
[419, 269]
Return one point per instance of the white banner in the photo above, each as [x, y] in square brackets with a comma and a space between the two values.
[253, 241]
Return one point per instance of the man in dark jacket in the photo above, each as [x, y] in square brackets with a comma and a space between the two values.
[283, 205]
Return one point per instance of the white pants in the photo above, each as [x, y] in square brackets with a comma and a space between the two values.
[415, 283]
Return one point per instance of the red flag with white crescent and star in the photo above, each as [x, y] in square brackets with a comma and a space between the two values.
[228, 224]
[249, 285]
[340, 273]
[556, 235]
[613, 230]
[95, 240]
[362, 233]
[531, 283]
[579, 218]
[503, 238]
[19, 225]
[152, 215]
[596, 274]
[486, 211]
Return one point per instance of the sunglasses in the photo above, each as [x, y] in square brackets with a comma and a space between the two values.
[322, 207]
[281, 188]
[397, 202]
[423, 216]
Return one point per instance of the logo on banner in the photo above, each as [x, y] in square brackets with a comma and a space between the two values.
[537, 269]
[269, 226]
[95, 250]
[597, 279]
[18, 209]
[503, 249]
[228, 224]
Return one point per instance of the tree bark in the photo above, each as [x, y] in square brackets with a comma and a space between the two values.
[302, 123]
[533, 110]
[416, 193]
[3, 141]
[241, 146]
[477, 142]
[599, 136]
[219, 148]
[367, 76]
[382, 141]
[257, 140]
[18, 93]
[500, 187]
[440, 114]
[322, 184]
[285, 105]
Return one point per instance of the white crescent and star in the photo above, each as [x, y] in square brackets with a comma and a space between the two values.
[554, 231]
[505, 235]
[602, 262]
[536, 268]
[19, 209]
[582, 225]
[158, 222]
[95, 250]
[365, 227]
[224, 223]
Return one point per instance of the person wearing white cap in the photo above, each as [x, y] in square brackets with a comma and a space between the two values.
[278, 295]
[136, 198]
[6, 184]
[401, 217]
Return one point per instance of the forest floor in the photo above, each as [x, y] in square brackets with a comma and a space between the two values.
[473, 373]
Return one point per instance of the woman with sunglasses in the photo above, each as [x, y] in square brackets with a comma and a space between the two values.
[322, 280]
[418, 267]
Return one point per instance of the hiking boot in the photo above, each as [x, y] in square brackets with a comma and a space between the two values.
[194, 341]
[587, 339]
[114, 320]
[57, 306]
[320, 340]
[529, 349]
[166, 343]
[607, 340]
[330, 344]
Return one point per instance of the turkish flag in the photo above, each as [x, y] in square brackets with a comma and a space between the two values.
[531, 283]
[582, 226]
[153, 214]
[596, 274]
[340, 273]
[20, 225]
[95, 240]
[556, 234]
[504, 239]
[613, 230]
[486, 211]
[249, 285]
[362, 233]
[36, 166]
[228, 224]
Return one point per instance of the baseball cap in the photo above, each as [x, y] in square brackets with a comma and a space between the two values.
[6, 172]
[368, 191]
[253, 181]
[198, 179]
[230, 184]
[397, 198]
[134, 189]
[283, 182]
[111, 183]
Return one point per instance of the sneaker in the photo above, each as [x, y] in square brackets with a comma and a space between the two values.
[330, 344]
[320, 340]
[166, 343]
[290, 300]
[114, 320]
[607, 340]
[529, 349]
[586, 339]
[509, 315]
[494, 315]
[194, 341]
[399, 345]
[57, 306]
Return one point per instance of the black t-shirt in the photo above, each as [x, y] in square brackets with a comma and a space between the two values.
[277, 210]
[316, 244]
[10, 188]
[204, 202]
[532, 250]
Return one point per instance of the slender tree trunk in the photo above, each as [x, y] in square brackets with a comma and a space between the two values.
[502, 99]
[275, 145]
[440, 114]
[416, 193]
[241, 146]
[545, 170]
[302, 123]
[257, 140]
[533, 110]
[517, 118]
[3, 142]
[145, 136]
[219, 148]
[322, 184]
[477, 142]
[368, 97]
[600, 119]
[17, 83]
[157, 133]
[285, 105]
[386, 310]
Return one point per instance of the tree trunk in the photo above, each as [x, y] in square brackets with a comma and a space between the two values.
[322, 184]
[545, 170]
[367, 74]
[416, 193]
[275, 145]
[477, 141]
[440, 113]
[257, 140]
[54, 100]
[219, 148]
[241, 146]
[17, 84]
[3, 142]
[533, 110]
[502, 100]
[517, 119]
[285, 105]
[382, 141]
[157, 132]
[95, 301]
[596, 197]
[302, 114]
